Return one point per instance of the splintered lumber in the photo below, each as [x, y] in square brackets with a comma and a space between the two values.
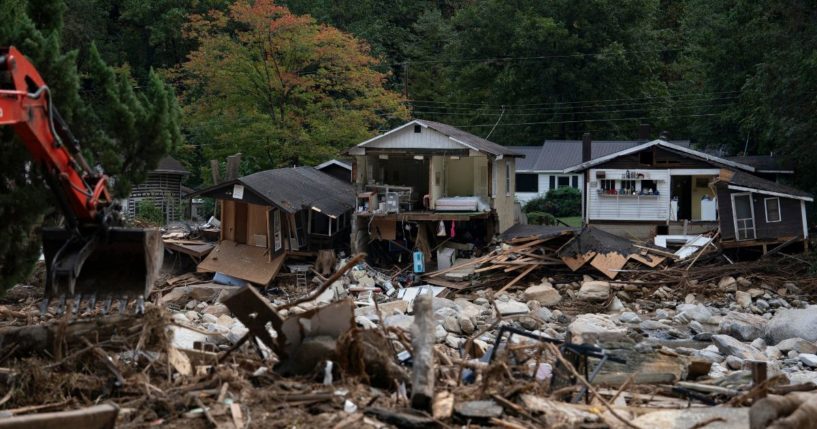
[517, 279]
[578, 261]
[447, 283]
[422, 343]
[651, 261]
[96, 417]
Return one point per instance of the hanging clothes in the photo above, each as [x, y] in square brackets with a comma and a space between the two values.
[453, 231]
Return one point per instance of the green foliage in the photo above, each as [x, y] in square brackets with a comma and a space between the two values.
[149, 213]
[540, 218]
[124, 130]
[279, 88]
[561, 202]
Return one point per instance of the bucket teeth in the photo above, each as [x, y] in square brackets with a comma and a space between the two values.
[106, 307]
[91, 302]
[61, 305]
[77, 300]
[123, 304]
[140, 304]
[44, 306]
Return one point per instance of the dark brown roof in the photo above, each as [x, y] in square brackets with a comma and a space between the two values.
[762, 162]
[168, 164]
[746, 180]
[478, 143]
[293, 189]
[556, 155]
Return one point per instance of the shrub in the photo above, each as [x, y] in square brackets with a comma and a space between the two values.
[540, 218]
[147, 212]
[562, 202]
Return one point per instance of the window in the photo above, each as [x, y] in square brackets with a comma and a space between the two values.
[649, 187]
[575, 180]
[552, 182]
[564, 181]
[527, 182]
[494, 180]
[417, 128]
[772, 209]
[507, 179]
[744, 216]
[607, 185]
[628, 186]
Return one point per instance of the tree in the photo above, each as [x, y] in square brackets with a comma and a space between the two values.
[279, 88]
[127, 131]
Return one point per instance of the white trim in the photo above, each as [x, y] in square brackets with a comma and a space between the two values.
[735, 216]
[391, 131]
[803, 216]
[460, 142]
[661, 143]
[695, 172]
[766, 209]
[334, 162]
[776, 194]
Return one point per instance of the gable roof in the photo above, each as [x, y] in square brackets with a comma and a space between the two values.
[337, 162]
[557, 155]
[168, 164]
[666, 145]
[293, 189]
[741, 181]
[463, 138]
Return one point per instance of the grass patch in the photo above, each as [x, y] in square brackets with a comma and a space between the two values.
[572, 220]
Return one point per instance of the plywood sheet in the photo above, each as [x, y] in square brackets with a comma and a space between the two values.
[578, 261]
[245, 262]
[387, 229]
[651, 261]
[256, 225]
[607, 263]
[228, 220]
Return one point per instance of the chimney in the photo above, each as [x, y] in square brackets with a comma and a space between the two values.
[586, 147]
[644, 132]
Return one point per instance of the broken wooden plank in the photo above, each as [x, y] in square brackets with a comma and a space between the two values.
[96, 417]
[609, 263]
[578, 261]
[422, 343]
[448, 284]
[517, 279]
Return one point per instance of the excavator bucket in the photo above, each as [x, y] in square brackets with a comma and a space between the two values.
[114, 263]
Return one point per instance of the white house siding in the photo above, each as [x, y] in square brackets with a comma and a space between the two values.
[629, 207]
[544, 185]
[408, 139]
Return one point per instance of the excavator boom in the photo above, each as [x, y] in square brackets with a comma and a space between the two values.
[93, 254]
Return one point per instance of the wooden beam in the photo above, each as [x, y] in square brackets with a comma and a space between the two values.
[96, 417]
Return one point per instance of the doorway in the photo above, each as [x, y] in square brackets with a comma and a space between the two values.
[744, 216]
[682, 192]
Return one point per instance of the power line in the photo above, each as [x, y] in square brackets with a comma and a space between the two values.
[650, 97]
[590, 120]
[683, 104]
[532, 58]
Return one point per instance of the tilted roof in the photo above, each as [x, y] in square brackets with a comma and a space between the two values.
[740, 180]
[294, 189]
[763, 163]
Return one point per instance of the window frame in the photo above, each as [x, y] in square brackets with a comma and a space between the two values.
[766, 210]
[535, 178]
[507, 178]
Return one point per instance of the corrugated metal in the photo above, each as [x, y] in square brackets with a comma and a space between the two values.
[296, 188]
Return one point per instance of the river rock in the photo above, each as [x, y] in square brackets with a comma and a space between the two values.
[511, 307]
[793, 323]
[808, 359]
[545, 293]
[744, 299]
[728, 284]
[467, 326]
[797, 344]
[451, 324]
[743, 326]
[697, 312]
[596, 328]
[731, 346]
[629, 317]
[595, 290]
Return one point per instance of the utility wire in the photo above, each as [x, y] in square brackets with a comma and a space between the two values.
[497, 123]
[650, 97]
[589, 106]
[533, 58]
[588, 120]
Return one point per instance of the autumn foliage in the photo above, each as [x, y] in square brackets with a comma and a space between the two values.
[280, 88]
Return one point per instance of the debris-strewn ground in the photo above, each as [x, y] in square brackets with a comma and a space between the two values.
[688, 343]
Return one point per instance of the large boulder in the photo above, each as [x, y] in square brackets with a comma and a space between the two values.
[790, 323]
[595, 290]
[511, 307]
[697, 312]
[596, 329]
[545, 293]
[797, 344]
[743, 326]
[731, 347]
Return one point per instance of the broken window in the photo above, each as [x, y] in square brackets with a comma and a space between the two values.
[527, 182]
[319, 223]
[772, 209]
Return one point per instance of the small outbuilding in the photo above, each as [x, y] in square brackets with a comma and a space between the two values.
[162, 189]
[268, 214]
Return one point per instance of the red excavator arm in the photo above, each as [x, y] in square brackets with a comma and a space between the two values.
[26, 106]
[120, 262]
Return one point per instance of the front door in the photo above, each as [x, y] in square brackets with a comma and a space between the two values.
[682, 191]
[744, 215]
